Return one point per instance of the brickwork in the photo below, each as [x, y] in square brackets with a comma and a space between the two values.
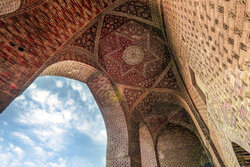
[35, 35]
[70, 69]
[148, 157]
[212, 37]
[104, 94]
[128, 65]
[87, 39]
[178, 146]
[137, 8]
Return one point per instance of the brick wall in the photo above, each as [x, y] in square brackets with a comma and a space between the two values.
[212, 38]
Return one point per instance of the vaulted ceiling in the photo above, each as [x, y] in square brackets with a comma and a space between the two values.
[125, 39]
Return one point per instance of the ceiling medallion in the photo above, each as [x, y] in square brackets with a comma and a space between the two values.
[133, 55]
[9, 6]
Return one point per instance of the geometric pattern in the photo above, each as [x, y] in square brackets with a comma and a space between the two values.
[129, 49]
[113, 46]
[111, 23]
[217, 50]
[132, 95]
[30, 39]
[137, 8]
[169, 81]
[87, 39]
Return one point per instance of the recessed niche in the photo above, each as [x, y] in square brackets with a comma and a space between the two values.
[197, 83]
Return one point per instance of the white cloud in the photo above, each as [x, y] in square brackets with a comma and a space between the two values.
[52, 120]
[78, 161]
[92, 127]
[5, 123]
[21, 100]
[17, 150]
[27, 163]
[76, 86]
[52, 138]
[37, 116]
[39, 150]
[5, 158]
[1, 139]
[21, 97]
[39, 95]
[104, 160]
[59, 163]
[26, 139]
[11, 156]
[59, 84]
[79, 88]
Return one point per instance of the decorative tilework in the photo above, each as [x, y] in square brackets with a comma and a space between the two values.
[132, 95]
[137, 8]
[114, 46]
[87, 39]
[168, 81]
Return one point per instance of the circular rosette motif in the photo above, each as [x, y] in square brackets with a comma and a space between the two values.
[133, 55]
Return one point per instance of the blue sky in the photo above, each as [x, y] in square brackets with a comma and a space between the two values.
[54, 123]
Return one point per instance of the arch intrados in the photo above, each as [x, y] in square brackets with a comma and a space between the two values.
[70, 69]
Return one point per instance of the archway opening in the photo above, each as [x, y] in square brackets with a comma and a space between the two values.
[54, 122]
